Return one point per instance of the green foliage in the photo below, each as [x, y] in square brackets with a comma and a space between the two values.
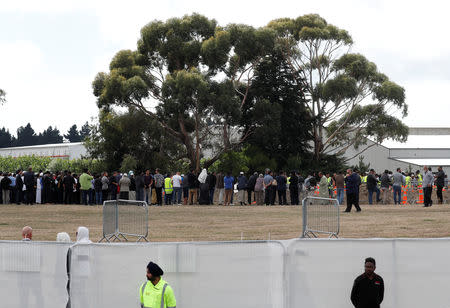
[131, 133]
[194, 70]
[339, 85]
[233, 162]
[2, 97]
[129, 163]
[12, 164]
[362, 167]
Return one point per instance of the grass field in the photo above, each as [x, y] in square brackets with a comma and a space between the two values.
[219, 223]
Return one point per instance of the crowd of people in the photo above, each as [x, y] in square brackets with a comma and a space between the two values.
[204, 188]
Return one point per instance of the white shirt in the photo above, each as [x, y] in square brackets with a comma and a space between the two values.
[176, 180]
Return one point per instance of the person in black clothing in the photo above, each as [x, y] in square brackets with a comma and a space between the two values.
[47, 188]
[372, 186]
[5, 184]
[19, 187]
[251, 187]
[293, 188]
[68, 183]
[29, 180]
[368, 288]
[113, 183]
[212, 180]
[440, 182]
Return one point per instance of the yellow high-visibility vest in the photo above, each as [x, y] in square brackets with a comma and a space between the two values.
[156, 296]
[168, 185]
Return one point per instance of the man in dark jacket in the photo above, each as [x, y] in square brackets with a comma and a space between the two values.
[368, 288]
[212, 180]
[440, 181]
[372, 186]
[19, 187]
[352, 181]
[28, 180]
[242, 186]
[251, 187]
[293, 188]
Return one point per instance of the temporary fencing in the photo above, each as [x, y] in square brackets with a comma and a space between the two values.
[281, 274]
[125, 218]
[320, 215]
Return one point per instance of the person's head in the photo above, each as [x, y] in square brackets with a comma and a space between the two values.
[178, 172]
[115, 173]
[261, 175]
[85, 170]
[372, 171]
[349, 171]
[229, 173]
[320, 174]
[369, 266]
[425, 168]
[241, 173]
[440, 168]
[157, 171]
[30, 169]
[399, 170]
[83, 235]
[27, 232]
[63, 237]
[154, 272]
[125, 175]
[147, 172]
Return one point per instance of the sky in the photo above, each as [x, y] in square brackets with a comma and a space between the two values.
[50, 51]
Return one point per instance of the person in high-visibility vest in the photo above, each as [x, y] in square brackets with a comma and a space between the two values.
[156, 292]
[168, 189]
[408, 180]
[419, 178]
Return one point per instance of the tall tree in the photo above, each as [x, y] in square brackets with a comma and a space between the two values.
[5, 138]
[26, 136]
[199, 75]
[2, 96]
[72, 134]
[277, 113]
[49, 136]
[85, 131]
[131, 134]
[349, 99]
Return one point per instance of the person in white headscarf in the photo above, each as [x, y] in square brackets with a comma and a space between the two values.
[83, 235]
[63, 237]
[202, 177]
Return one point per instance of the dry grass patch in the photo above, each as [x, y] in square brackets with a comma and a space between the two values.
[219, 223]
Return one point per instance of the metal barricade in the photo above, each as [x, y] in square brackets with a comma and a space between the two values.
[320, 215]
[125, 218]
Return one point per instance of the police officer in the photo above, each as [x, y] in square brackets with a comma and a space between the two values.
[157, 293]
[368, 288]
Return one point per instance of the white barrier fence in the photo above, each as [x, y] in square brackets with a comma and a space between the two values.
[295, 273]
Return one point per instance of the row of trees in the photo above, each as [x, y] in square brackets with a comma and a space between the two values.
[290, 91]
[26, 136]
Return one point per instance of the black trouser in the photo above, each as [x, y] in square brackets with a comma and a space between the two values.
[159, 195]
[439, 193]
[268, 196]
[104, 195]
[19, 195]
[427, 196]
[68, 196]
[294, 195]
[282, 197]
[249, 196]
[30, 194]
[352, 199]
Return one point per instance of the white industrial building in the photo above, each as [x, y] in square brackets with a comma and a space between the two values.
[58, 150]
[425, 146]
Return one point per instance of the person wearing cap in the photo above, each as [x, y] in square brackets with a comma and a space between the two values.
[157, 293]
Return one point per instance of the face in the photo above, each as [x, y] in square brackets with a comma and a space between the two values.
[369, 268]
[150, 276]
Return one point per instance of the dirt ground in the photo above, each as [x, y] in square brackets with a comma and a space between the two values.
[219, 223]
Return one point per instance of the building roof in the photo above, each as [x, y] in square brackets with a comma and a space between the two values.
[53, 145]
[421, 142]
[426, 161]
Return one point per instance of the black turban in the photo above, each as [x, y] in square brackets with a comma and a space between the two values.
[154, 269]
